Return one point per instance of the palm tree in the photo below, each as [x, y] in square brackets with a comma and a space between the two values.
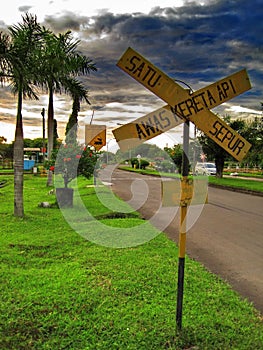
[60, 61]
[18, 52]
[51, 66]
[78, 93]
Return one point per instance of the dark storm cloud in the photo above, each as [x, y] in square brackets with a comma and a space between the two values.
[68, 21]
[194, 43]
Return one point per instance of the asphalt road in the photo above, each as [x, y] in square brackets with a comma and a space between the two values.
[225, 235]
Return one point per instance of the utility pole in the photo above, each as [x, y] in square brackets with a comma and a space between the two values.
[44, 136]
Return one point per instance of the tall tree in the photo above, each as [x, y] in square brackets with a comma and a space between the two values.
[61, 60]
[18, 69]
[214, 151]
[253, 132]
[176, 154]
[2, 148]
[78, 93]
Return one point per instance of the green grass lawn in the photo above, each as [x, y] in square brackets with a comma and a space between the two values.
[60, 291]
[252, 185]
[233, 182]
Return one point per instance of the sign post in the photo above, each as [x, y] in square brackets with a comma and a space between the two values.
[185, 107]
[182, 232]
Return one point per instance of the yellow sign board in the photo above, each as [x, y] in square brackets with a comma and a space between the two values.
[95, 135]
[221, 133]
[142, 129]
[184, 193]
[193, 107]
[172, 93]
[166, 118]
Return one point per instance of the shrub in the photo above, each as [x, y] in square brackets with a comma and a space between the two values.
[72, 160]
[135, 163]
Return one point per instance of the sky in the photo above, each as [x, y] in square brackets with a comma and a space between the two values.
[197, 42]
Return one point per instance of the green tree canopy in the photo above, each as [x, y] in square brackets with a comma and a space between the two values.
[250, 130]
[176, 154]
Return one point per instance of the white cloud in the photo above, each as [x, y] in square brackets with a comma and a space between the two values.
[12, 13]
[240, 109]
[8, 131]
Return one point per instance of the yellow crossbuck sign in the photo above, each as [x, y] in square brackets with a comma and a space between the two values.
[182, 106]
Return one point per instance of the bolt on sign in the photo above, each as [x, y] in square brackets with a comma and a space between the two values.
[194, 107]
[95, 135]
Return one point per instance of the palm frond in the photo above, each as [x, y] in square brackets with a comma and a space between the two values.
[76, 89]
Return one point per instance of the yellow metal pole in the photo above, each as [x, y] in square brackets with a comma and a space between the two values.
[182, 233]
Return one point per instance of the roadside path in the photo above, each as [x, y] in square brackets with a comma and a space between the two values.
[227, 237]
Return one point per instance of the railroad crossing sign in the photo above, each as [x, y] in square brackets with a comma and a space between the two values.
[187, 107]
[95, 135]
[193, 107]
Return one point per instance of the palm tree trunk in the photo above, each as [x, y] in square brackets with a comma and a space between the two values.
[19, 161]
[72, 125]
[219, 161]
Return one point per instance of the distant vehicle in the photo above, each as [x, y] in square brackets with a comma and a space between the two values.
[205, 168]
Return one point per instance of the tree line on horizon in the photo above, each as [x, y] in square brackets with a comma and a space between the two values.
[251, 130]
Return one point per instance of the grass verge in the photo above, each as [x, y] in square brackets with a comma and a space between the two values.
[236, 183]
[60, 291]
[249, 185]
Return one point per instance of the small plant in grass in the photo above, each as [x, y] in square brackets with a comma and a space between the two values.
[70, 161]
